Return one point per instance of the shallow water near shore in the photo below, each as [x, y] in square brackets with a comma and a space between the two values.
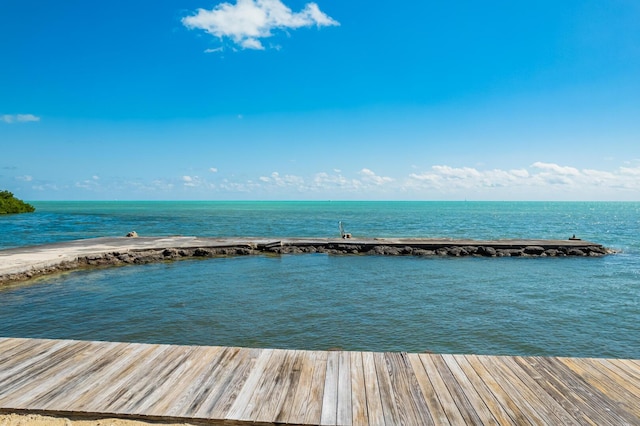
[553, 306]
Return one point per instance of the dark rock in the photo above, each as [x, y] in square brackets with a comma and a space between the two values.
[407, 250]
[386, 251]
[201, 252]
[170, 253]
[487, 251]
[576, 252]
[148, 257]
[456, 251]
[534, 250]
[423, 252]
[509, 252]
[470, 249]
[597, 250]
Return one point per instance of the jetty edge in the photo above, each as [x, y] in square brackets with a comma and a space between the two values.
[23, 263]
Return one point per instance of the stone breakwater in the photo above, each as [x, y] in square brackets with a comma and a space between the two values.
[107, 252]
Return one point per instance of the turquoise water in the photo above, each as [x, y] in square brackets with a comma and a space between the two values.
[554, 306]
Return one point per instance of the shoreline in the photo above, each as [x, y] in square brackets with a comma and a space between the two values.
[25, 263]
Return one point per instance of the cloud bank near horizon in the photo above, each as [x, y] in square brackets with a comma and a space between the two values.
[248, 21]
[540, 181]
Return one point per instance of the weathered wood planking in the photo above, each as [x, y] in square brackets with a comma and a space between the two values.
[270, 386]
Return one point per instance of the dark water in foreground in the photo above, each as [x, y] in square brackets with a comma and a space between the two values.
[553, 306]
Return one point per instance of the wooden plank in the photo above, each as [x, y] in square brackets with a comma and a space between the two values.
[507, 402]
[94, 377]
[467, 384]
[436, 412]
[359, 415]
[277, 382]
[636, 362]
[447, 401]
[313, 413]
[120, 386]
[457, 393]
[9, 347]
[193, 398]
[620, 375]
[604, 384]
[293, 378]
[409, 402]
[526, 399]
[293, 408]
[387, 397]
[183, 398]
[564, 390]
[500, 415]
[549, 404]
[62, 386]
[632, 371]
[171, 383]
[112, 377]
[144, 387]
[375, 412]
[220, 372]
[244, 400]
[344, 412]
[24, 381]
[330, 397]
[25, 356]
[227, 390]
[593, 396]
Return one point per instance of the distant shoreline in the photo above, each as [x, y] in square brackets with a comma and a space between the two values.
[21, 264]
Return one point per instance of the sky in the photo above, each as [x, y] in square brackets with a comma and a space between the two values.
[327, 100]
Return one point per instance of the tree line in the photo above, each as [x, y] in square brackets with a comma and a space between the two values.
[10, 204]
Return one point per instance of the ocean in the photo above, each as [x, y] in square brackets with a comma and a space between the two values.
[584, 307]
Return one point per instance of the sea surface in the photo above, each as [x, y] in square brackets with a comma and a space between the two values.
[586, 307]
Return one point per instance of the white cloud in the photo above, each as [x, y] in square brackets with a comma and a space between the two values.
[290, 181]
[248, 21]
[538, 181]
[90, 184]
[213, 169]
[19, 118]
[541, 181]
[370, 177]
[189, 181]
[556, 169]
[630, 171]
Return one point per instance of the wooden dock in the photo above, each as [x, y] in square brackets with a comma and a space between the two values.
[228, 385]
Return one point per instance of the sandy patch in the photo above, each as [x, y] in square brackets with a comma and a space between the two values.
[13, 419]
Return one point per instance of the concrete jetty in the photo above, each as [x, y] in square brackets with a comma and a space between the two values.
[23, 263]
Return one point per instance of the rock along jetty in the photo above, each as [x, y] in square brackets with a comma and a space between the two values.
[23, 263]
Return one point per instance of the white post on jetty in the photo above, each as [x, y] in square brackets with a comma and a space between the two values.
[343, 234]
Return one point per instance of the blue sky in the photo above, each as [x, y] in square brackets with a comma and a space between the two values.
[298, 100]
